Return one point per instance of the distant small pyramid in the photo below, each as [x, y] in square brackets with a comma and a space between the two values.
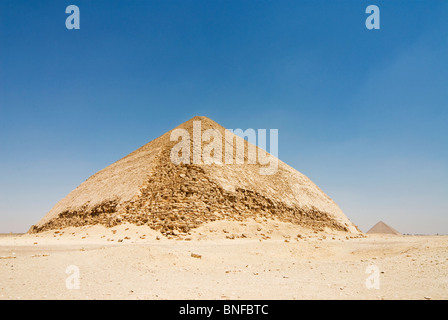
[382, 228]
[147, 188]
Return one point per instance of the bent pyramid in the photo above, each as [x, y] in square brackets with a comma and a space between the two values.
[383, 228]
[147, 188]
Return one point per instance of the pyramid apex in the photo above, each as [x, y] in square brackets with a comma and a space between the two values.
[197, 118]
[206, 123]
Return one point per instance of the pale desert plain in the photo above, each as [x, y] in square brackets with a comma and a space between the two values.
[254, 259]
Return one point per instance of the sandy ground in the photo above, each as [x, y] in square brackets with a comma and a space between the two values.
[221, 260]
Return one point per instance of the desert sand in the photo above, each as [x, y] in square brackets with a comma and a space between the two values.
[263, 259]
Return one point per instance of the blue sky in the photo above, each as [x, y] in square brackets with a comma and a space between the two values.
[363, 113]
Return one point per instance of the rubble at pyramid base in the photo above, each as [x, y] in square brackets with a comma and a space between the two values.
[178, 198]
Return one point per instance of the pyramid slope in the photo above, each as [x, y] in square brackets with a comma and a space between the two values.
[145, 187]
[382, 228]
